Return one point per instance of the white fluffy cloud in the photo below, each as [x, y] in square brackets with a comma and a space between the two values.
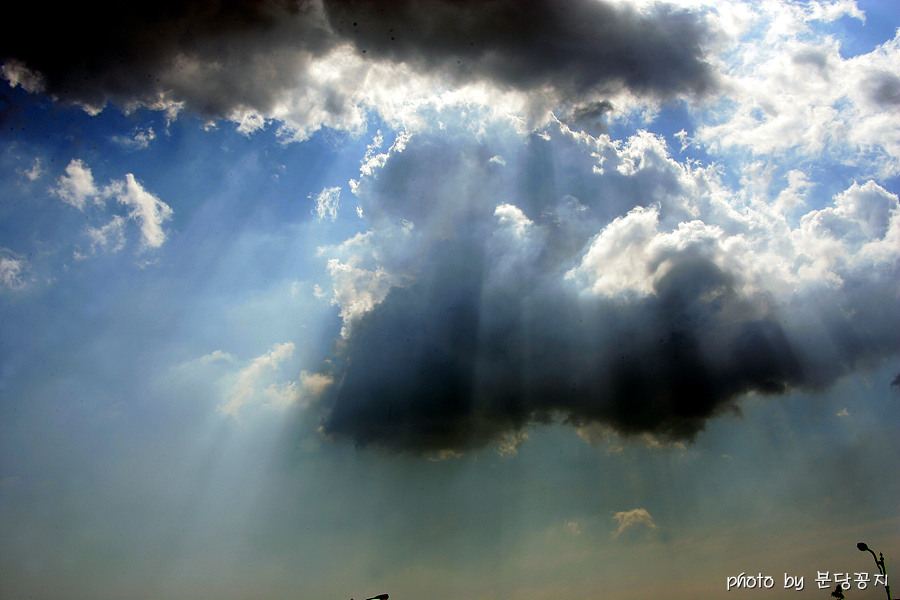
[789, 91]
[859, 231]
[77, 186]
[357, 290]
[620, 257]
[690, 211]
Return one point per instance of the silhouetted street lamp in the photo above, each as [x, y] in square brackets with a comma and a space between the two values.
[879, 562]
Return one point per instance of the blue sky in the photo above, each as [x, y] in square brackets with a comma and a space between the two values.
[331, 299]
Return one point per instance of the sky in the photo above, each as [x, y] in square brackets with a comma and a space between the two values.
[498, 300]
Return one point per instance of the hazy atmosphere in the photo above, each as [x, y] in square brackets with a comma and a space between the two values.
[504, 300]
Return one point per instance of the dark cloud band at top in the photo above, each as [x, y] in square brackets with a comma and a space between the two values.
[91, 53]
[218, 56]
[569, 45]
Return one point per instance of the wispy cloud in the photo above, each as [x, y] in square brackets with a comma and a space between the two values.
[327, 203]
[13, 269]
[109, 237]
[248, 377]
[260, 383]
[138, 140]
[35, 172]
[147, 209]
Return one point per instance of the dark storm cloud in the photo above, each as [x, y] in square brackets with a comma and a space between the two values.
[445, 363]
[572, 46]
[135, 51]
[487, 335]
[218, 56]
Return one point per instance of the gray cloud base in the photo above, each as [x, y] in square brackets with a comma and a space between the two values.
[456, 361]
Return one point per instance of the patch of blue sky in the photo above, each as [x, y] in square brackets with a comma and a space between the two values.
[882, 20]
[240, 251]
[677, 123]
[217, 181]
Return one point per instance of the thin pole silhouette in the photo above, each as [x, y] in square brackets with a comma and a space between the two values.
[879, 562]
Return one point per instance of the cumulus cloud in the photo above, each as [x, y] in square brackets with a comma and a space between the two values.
[311, 62]
[358, 283]
[77, 186]
[630, 518]
[795, 93]
[628, 291]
